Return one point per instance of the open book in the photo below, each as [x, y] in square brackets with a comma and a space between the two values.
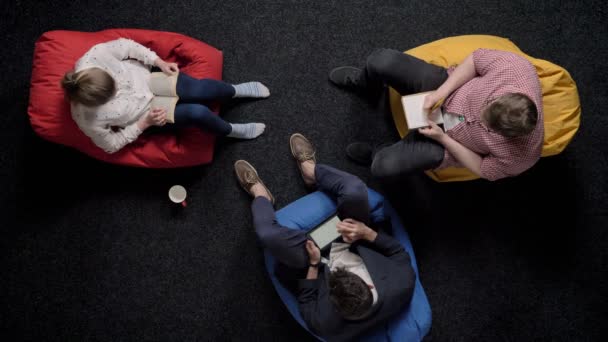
[415, 116]
[164, 89]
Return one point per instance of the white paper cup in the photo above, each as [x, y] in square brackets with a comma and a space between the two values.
[177, 194]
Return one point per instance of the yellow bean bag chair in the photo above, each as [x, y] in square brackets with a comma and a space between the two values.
[561, 105]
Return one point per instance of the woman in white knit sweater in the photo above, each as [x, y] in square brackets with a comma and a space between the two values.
[110, 96]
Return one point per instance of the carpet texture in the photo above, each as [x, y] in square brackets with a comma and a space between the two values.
[95, 252]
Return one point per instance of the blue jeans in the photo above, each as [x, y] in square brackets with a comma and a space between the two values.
[190, 110]
[288, 245]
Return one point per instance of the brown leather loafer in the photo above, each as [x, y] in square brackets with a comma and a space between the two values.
[301, 150]
[248, 176]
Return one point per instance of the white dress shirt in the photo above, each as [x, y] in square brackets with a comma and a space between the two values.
[113, 125]
[341, 257]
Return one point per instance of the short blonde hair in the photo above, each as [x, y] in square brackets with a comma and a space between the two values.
[90, 87]
[512, 115]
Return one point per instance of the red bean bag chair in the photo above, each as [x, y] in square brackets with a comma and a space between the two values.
[57, 51]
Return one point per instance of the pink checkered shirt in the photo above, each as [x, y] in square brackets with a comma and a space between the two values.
[499, 73]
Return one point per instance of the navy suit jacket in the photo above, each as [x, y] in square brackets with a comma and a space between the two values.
[390, 268]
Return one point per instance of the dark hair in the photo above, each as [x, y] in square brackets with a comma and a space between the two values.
[512, 115]
[90, 87]
[349, 293]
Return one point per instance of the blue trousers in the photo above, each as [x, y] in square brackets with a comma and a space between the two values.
[288, 245]
[191, 111]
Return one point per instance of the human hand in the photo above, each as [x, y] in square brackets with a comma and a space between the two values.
[167, 68]
[353, 230]
[157, 117]
[314, 254]
[430, 101]
[432, 131]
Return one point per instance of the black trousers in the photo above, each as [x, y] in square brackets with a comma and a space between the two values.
[287, 245]
[407, 75]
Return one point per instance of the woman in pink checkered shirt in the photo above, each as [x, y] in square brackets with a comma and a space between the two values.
[493, 114]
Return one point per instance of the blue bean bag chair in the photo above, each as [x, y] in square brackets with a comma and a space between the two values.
[410, 325]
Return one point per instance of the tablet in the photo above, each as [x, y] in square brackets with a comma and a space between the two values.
[325, 233]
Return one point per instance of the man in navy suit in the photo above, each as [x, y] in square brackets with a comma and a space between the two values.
[369, 277]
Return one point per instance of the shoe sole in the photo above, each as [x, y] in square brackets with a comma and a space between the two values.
[256, 174]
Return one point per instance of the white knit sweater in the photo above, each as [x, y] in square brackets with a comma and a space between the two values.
[113, 125]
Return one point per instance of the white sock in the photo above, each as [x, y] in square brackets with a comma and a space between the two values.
[246, 131]
[251, 89]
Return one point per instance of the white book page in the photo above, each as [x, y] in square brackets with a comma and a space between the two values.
[166, 103]
[414, 115]
[163, 85]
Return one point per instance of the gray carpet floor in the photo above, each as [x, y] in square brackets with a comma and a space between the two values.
[94, 252]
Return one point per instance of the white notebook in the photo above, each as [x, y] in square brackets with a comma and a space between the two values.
[414, 115]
